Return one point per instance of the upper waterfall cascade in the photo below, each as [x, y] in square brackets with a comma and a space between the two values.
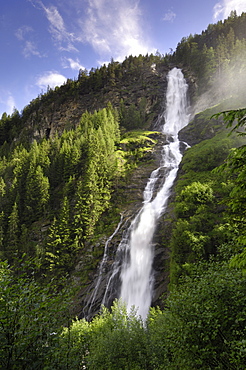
[132, 267]
[136, 273]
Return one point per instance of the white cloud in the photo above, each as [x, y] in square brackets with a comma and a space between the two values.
[114, 28]
[10, 104]
[22, 31]
[73, 64]
[58, 29]
[30, 49]
[7, 101]
[169, 16]
[51, 79]
[224, 7]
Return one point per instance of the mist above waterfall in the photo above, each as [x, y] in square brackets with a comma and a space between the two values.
[225, 84]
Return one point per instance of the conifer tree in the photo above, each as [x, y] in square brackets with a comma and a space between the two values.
[62, 244]
[37, 193]
[13, 233]
[1, 234]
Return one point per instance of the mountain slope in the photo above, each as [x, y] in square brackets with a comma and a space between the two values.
[69, 158]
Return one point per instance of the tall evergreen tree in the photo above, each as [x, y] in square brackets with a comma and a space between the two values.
[13, 234]
[62, 244]
[37, 193]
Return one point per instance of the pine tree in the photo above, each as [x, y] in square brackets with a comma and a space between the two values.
[62, 244]
[13, 233]
[37, 193]
[1, 234]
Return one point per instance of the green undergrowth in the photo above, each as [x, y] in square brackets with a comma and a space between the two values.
[134, 147]
[200, 224]
[199, 160]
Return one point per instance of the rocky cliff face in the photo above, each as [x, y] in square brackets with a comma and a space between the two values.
[62, 109]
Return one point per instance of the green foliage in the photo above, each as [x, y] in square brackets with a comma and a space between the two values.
[203, 325]
[234, 167]
[94, 191]
[215, 150]
[132, 117]
[31, 318]
[135, 147]
[37, 193]
[62, 245]
[215, 54]
[192, 197]
[9, 126]
[67, 179]
[235, 170]
[53, 193]
[118, 341]
[112, 340]
[208, 202]
[194, 231]
[13, 232]
[233, 118]
[72, 351]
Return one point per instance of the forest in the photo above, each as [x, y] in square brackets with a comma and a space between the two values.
[62, 189]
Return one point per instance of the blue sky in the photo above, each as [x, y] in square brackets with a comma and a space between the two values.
[44, 42]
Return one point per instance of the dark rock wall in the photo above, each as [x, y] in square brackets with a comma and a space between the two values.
[64, 110]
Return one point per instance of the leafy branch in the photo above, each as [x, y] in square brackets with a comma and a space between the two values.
[233, 118]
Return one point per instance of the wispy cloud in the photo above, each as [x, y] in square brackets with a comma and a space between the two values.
[114, 28]
[73, 64]
[10, 103]
[224, 7]
[58, 30]
[23, 34]
[51, 79]
[169, 16]
[31, 49]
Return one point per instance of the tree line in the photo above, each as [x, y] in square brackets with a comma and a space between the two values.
[66, 180]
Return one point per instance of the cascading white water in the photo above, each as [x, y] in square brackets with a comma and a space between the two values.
[92, 298]
[136, 273]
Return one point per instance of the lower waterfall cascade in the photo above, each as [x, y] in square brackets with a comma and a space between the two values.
[132, 267]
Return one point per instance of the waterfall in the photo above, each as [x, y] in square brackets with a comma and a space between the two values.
[91, 300]
[136, 272]
[132, 267]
